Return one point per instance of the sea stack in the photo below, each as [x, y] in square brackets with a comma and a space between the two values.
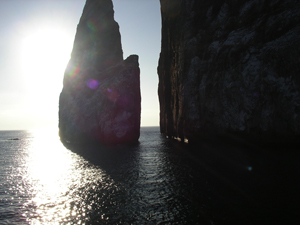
[100, 100]
[230, 68]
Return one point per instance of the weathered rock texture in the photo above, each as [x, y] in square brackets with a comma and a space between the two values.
[100, 100]
[230, 67]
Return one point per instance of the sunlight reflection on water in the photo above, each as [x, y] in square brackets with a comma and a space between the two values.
[54, 175]
[157, 181]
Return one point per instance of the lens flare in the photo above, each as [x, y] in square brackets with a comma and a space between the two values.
[95, 25]
[92, 83]
[73, 70]
[112, 94]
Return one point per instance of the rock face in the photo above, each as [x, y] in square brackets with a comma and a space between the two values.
[230, 68]
[101, 99]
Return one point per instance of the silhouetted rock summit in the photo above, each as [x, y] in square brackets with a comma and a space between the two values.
[230, 68]
[101, 99]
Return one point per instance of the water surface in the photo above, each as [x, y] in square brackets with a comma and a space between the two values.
[157, 181]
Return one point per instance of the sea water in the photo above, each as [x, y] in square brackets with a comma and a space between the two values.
[157, 181]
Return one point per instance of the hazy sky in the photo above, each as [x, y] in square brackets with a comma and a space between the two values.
[35, 45]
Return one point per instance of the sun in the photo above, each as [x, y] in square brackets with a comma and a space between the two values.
[44, 57]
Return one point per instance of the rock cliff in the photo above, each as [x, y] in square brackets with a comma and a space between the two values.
[101, 99]
[230, 68]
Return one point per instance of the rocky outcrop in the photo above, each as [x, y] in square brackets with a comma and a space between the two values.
[100, 100]
[230, 68]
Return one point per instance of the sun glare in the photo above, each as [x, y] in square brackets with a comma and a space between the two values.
[44, 57]
[45, 54]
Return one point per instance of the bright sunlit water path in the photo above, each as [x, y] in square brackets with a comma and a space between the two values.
[157, 181]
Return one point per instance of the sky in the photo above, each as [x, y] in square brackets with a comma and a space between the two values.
[35, 45]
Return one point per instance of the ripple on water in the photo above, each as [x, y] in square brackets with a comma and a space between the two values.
[154, 182]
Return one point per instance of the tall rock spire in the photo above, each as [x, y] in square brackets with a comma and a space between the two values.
[100, 100]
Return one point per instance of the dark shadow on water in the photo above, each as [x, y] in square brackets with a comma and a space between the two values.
[112, 159]
[214, 182]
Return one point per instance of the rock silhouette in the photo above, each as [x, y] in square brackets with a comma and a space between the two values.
[230, 68]
[101, 99]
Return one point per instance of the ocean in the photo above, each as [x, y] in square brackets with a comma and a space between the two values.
[157, 181]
